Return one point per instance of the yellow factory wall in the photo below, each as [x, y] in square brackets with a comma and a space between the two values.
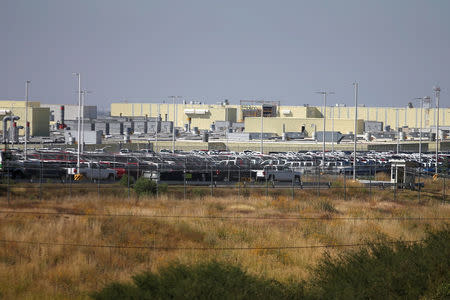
[388, 115]
[275, 125]
[295, 111]
[9, 104]
[168, 111]
[37, 116]
[299, 112]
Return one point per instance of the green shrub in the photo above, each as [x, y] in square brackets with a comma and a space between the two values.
[387, 271]
[382, 270]
[144, 186]
[211, 280]
[124, 180]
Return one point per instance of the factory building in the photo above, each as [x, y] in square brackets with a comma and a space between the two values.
[389, 116]
[308, 126]
[193, 115]
[38, 117]
[205, 116]
[70, 112]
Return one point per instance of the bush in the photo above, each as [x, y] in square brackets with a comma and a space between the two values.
[211, 280]
[387, 271]
[382, 270]
[144, 186]
[124, 180]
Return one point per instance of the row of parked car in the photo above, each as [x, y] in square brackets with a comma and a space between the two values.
[201, 165]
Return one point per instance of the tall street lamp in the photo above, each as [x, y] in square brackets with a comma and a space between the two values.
[332, 129]
[422, 100]
[398, 130]
[355, 84]
[262, 127]
[174, 120]
[437, 91]
[324, 113]
[79, 119]
[83, 99]
[156, 130]
[27, 89]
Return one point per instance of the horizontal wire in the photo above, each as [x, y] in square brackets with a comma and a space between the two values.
[294, 218]
[193, 248]
[323, 185]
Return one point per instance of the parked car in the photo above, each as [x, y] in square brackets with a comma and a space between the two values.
[93, 171]
[278, 173]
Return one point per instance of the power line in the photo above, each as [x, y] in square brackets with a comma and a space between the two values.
[293, 218]
[152, 248]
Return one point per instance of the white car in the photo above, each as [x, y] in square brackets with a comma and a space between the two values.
[278, 174]
[93, 171]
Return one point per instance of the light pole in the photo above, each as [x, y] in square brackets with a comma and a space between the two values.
[324, 113]
[174, 120]
[332, 130]
[262, 125]
[355, 84]
[83, 98]
[27, 88]
[437, 91]
[228, 128]
[79, 119]
[398, 129]
[426, 99]
[156, 131]
[83, 95]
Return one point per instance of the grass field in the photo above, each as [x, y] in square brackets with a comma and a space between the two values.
[194, 230]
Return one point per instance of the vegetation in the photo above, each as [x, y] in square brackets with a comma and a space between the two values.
[125, 181]
[145, 187]
[212, 280]
[379, 271]
[168, 229]
[385, 271]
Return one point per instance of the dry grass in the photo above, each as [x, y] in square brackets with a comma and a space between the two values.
[33, 271]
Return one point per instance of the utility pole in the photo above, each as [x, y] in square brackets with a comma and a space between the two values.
[27, 87]
[174, 120]
[355, 84]
[262, 125]
[422, 100]
[83, 98]
[324, 113]
[156, 131]
[79, 119]
[332, 130]
[420, 133]
[83, 95]
[398, 130]
[228, 128]
[437, 91]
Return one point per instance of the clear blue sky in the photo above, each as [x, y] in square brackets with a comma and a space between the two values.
[212, 50]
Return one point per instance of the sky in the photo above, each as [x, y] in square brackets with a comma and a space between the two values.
[211, 50]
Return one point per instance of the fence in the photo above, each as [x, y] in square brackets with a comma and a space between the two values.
[41, 181]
